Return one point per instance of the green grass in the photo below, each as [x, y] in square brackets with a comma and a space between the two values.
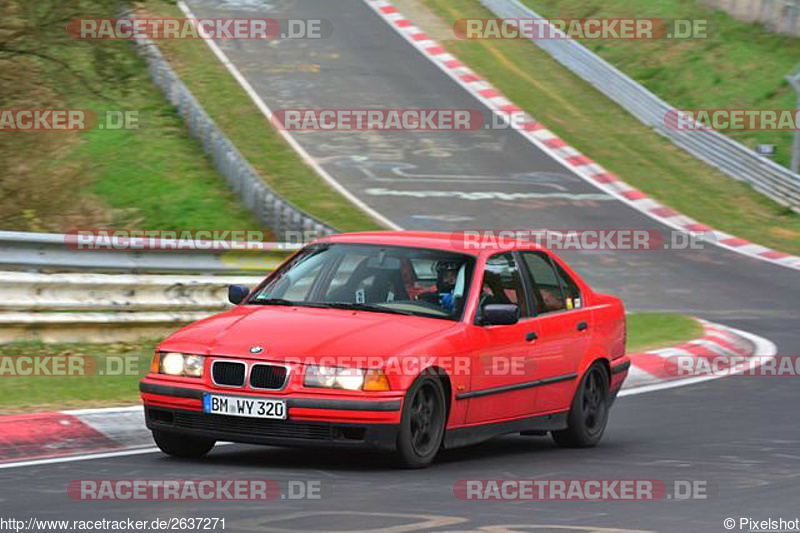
[606, 133]
[41, 393]
[645, 331]
[233, 110]
[741, 65]
[153, 177]
[157, 177]
[650, 331]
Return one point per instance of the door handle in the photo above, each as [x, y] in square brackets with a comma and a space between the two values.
[582, 326]
[531, 336]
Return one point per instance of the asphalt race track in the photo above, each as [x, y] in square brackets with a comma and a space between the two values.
[740, 435]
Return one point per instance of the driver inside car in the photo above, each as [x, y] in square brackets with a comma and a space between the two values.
[449, 286]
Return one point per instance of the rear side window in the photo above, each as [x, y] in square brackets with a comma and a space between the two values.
[572, 293]
[554, 289]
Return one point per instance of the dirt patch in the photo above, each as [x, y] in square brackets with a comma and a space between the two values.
[424, 17]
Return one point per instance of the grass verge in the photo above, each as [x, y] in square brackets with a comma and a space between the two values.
[20, 394]
[43, 393]
[153, 177]
[606, 133]
[651, 331]
[739, 66]
[236, 114]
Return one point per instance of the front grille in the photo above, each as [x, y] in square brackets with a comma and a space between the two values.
[228, 373]
[267, 376]
[253, 426]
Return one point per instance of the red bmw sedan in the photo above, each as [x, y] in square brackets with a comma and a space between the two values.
[403, 341]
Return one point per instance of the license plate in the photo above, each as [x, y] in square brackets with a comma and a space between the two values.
[249, 407]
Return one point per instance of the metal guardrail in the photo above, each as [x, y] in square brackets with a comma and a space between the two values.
[52, 291]
[269, 209]
[33, 292]
[731, 157]
[780, 16]
[53, 252]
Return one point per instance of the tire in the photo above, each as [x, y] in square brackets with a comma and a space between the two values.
[588, 414]
[184, 446]
[422, 423]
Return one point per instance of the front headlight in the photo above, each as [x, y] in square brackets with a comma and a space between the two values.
[179, 364]
[193, 365]
[329, 377]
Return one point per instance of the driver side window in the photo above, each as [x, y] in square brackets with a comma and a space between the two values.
[502, 283]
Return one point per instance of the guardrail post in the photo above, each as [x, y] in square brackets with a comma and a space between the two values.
[794, 81]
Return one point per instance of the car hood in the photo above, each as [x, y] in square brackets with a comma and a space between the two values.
[304, 334]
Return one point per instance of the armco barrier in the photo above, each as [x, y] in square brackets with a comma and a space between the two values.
[23, 291]
[54, 252]
[52, 292]
[106, 307]
[270, 209]
[732, 158]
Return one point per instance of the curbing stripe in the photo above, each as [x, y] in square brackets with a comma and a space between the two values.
[580, 165]
[649, 368]
[49, 435]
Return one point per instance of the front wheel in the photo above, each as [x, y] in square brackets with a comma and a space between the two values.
[422, 423]
[183, 446]
[589, 412]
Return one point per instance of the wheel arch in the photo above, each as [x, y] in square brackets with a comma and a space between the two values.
[592, 358]
[447, 384]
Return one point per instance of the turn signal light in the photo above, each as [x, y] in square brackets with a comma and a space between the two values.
[376, 380]
[155, 365]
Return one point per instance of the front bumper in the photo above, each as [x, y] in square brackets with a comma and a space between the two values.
[312, 421]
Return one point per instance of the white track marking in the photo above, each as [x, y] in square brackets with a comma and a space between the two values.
[104, 410]
[56, 460]
[103, 455]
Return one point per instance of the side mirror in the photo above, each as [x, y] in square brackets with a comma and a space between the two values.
[500, 314]
[237, 293]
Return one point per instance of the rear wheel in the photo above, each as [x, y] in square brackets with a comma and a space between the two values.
[589, 412]
[184, 446]
[422, 423]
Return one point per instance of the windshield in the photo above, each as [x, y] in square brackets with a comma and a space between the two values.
[387, 279]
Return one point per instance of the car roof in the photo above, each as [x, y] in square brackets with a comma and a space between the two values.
[465, 241]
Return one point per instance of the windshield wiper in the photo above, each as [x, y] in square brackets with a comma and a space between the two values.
[282, 301]
[368, 307]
